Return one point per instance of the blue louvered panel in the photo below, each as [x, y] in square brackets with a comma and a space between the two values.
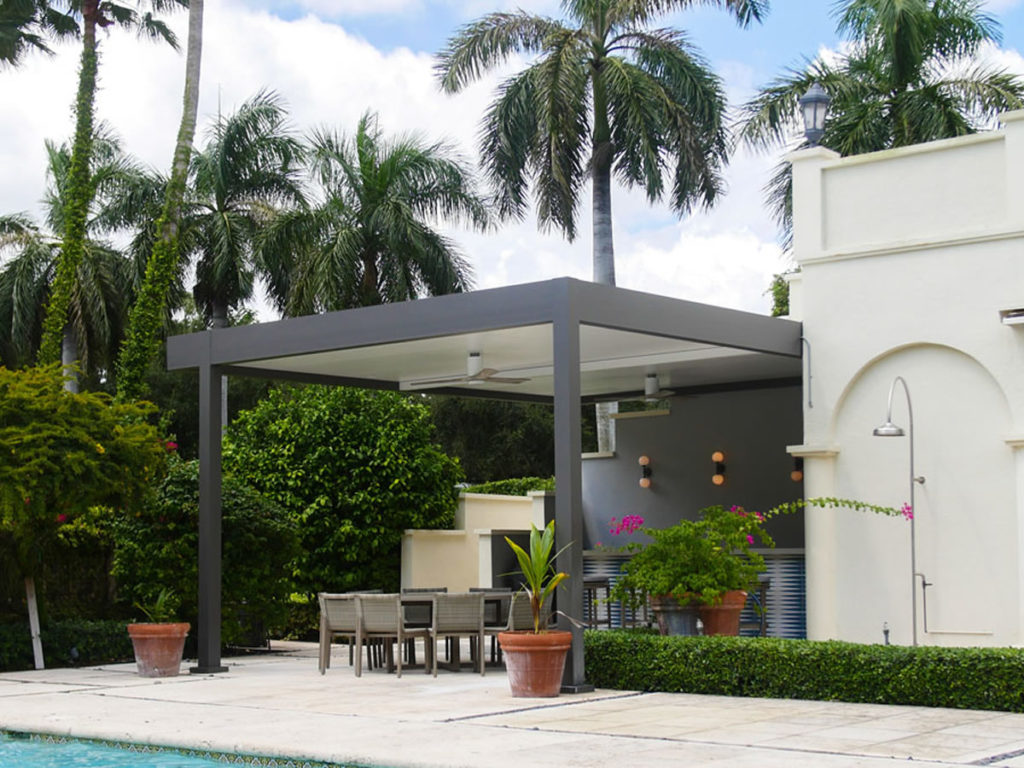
[786, 598]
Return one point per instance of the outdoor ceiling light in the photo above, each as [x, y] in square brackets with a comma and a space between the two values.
[798, 469]
[814, 107]
[719, 459]
[645, 471]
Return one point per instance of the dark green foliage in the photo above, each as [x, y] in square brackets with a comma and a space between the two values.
[515, 486]
[963, 678]
[156, 548]
[354, 469]
[96, 642]
[495, 439]
[779, 291]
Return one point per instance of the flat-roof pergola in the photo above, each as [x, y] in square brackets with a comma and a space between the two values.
[570, 342]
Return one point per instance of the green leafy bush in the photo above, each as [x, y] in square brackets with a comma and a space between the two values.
[964, 678]
[156, 549]
[515, 486]
[95, 642]
[354, 469]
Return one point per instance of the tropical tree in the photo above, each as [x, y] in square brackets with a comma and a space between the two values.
[60, 454]
[912, 72]
[25, 25]
[369, 238]
[606, 94]
[162, 267]
[248, 169]
[92, 14]
[104, 281]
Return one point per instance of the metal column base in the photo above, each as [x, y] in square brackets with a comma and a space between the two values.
[577, 688]
[206, 670]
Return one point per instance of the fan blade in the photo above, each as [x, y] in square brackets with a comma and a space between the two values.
[505, 379]
[438, 382]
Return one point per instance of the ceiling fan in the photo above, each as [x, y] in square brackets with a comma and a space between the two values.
[475, 374]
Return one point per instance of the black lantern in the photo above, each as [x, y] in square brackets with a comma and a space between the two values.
[814, 106]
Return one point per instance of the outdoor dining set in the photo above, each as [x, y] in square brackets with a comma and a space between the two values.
[390, 624]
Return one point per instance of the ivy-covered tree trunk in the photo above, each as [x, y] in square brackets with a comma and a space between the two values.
[79, 195]
[144, 320]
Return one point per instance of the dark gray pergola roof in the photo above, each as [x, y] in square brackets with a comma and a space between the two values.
[572, 341]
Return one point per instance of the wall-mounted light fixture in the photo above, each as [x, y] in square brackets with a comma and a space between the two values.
[645, 471]
[798, 469]
[719, 459]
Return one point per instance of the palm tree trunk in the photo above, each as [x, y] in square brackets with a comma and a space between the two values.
[601, 176]
[145, 318]
[79, 194]
[604, 249]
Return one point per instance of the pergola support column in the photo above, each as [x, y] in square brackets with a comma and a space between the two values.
[210, 431]
[569, 486]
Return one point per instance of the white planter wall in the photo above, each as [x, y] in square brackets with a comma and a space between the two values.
[907, 258]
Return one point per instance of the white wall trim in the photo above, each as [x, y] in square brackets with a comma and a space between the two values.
[909, 246]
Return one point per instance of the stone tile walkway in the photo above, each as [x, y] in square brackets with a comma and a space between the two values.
[279, 705]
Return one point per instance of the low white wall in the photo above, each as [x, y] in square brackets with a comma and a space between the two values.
[461, 558]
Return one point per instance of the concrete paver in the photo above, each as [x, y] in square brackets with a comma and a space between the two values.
[278, 705]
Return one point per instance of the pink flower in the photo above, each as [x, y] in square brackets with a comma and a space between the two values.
[62, 518]
[907, 511]
[170, 445]
[750, 539]
[598, 544]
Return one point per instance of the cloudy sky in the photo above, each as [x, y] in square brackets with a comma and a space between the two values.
[332, 60]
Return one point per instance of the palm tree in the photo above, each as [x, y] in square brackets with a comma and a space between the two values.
[162, 266]
[104, 280]
[370, 239]
[248, 169]
[910, 74]
[606, 94]
[93, 14]
[25, 25]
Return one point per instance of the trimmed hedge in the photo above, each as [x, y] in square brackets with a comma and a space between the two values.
[97, 642]
[514, 486]
[962, 678]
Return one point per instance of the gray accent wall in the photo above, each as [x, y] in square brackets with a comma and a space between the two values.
[751, 427]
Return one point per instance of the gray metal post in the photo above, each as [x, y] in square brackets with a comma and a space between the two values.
[568, 485]
[210, 386]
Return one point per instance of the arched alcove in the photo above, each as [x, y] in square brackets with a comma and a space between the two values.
[965, 512]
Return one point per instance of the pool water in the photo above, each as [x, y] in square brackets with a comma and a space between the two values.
[18, 752]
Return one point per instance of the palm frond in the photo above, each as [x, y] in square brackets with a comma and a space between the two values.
[487, 42]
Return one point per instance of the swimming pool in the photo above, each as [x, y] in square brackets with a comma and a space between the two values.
[40, 751]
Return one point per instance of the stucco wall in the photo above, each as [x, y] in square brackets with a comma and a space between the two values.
[907, 259]
[751, 427]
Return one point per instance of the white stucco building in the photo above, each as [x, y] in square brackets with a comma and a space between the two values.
[911, 262]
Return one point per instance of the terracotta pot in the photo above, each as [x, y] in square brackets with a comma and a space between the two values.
[724, 618]
[674, 617]
[535, 662]
[158, 648]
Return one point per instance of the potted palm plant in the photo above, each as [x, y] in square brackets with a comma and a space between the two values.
[160, 642]
[696, 568]
[535, 658]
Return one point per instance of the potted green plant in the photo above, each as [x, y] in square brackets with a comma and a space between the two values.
[160, 642]
[696, 568]
[535, 658]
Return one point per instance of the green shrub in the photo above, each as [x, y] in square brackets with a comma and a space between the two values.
[354, 469]
[95, 642]
[157, 546]
[515, 486]
[964, 678]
